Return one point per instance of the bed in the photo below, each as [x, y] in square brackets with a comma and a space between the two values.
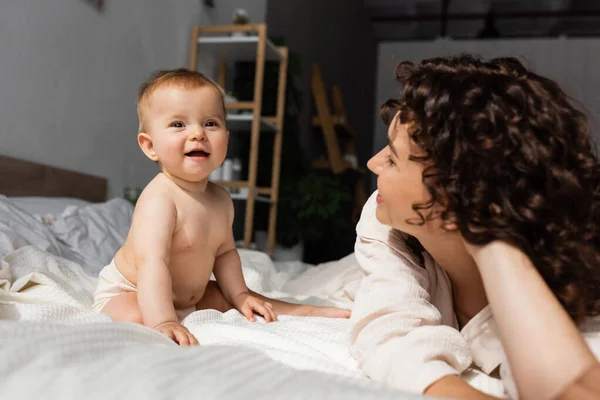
[57, 230]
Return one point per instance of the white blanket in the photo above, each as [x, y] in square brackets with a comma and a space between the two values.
[60, 348]
[53, 345]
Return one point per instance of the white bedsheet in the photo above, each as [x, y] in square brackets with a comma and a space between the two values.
[120, 361]
[53, 345]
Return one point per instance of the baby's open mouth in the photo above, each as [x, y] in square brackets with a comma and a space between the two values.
[197, 153]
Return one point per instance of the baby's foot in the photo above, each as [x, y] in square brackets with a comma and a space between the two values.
[328, 312]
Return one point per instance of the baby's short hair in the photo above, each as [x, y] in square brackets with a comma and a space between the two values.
[181, 77]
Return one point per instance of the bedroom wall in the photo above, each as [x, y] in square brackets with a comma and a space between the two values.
[69, 76]
[338, 36]
[571, 62]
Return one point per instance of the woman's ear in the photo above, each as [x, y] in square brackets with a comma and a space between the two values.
[450, 226]
[147, 146]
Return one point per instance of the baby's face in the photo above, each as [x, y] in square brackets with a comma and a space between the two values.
[188, 131]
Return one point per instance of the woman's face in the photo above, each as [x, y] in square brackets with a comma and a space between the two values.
[399, 180]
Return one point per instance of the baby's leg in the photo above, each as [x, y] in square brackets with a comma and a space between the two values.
[213, 299]
[124, 308]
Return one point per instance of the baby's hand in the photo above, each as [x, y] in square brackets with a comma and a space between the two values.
[177, 332]
[248, 304]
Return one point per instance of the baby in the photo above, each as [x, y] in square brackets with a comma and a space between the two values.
[181, 231]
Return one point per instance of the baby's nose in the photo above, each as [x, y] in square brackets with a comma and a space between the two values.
[198, 134]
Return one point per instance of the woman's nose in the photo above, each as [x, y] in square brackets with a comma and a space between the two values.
[375, 163]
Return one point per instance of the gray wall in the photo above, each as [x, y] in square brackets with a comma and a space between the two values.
[337, 35]
[69, 77]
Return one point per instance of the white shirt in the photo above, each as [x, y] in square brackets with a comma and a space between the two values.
[405, 332]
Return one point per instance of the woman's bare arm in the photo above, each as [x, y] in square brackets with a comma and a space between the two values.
[547, 354]
[454, 387]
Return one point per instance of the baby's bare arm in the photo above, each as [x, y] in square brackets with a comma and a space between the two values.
[228, 266]
[228, 272]
[153, 225]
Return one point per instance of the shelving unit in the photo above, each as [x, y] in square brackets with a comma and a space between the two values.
[247, 43]
[243, 122]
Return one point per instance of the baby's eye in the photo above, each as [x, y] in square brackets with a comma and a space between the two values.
[211, 123]
[176, 124]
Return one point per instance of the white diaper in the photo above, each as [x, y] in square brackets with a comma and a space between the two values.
[112, 283]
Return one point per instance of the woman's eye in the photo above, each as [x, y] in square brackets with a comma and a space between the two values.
[389, 160]
[176, 124]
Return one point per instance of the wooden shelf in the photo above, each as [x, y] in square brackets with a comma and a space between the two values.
[239, 105]
[237, 48]
[272, 120]
[243, 122]
[248, 42]
[264, 190]
[231, 184]
[243, 184]
[260, 199]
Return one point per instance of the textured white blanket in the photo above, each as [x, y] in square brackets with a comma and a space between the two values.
[60, 348]
[53, 345]
[120, 361]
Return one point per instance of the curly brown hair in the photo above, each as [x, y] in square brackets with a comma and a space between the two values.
[508, 157]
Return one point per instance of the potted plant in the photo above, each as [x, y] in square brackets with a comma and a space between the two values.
[240, 17]
[311, 209]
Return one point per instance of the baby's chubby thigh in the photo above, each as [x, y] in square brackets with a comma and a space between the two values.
[124, 308]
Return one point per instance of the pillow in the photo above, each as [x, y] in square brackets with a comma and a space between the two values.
[44, 206]
[18, 228]
[94, 232]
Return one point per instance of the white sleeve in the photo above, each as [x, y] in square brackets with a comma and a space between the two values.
[397, 336]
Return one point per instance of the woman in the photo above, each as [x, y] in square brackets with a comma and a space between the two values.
[488, 203]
